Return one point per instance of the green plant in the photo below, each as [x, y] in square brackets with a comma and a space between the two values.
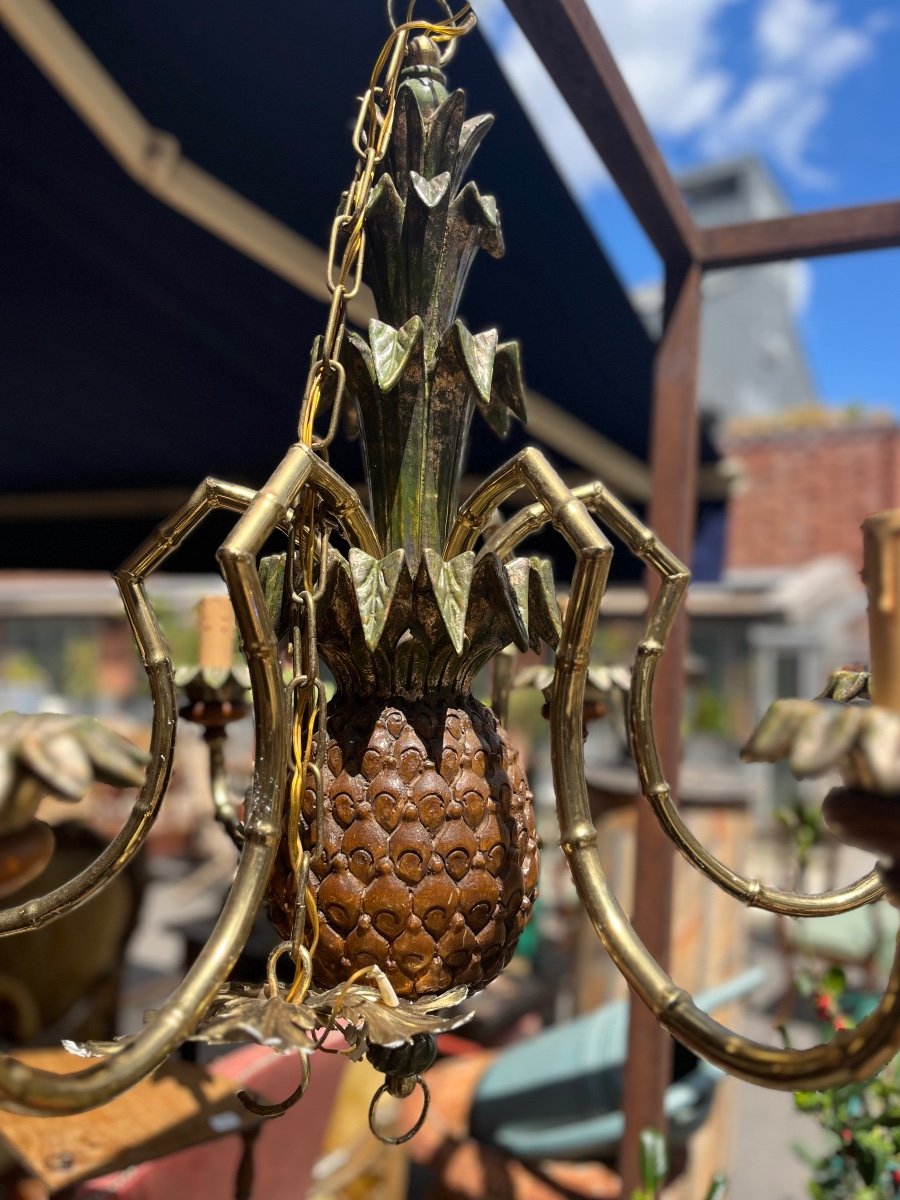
[20, 667]
[655, 1167]
[710, 714]
[861, 1121]
[80, 667]
[803, 823]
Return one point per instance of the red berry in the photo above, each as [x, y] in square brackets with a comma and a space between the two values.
[824, 1005]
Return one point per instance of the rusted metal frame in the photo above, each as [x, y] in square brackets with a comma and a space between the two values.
[674, 450]
[572, 48]
[802, 235]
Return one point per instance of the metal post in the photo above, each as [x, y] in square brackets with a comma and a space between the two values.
[674, 450]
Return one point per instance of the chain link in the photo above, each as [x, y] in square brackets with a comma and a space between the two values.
[346, 254]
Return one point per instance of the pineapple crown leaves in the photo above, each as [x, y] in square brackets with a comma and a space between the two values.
[382, 628]
[415, 421]
[421, 374]
[425, 226]
[493, 372]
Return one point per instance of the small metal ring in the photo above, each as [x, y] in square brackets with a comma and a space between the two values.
[410, 1133]
[450, 50]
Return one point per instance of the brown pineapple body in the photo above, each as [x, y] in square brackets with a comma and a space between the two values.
[430, 863]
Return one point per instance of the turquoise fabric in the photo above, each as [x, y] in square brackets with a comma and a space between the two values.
[559, 1095]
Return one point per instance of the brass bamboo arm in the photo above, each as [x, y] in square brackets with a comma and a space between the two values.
[27, 1089]
[852, 1054]
[674, 581]
[210, 495]
[344, 504]
[475, 511]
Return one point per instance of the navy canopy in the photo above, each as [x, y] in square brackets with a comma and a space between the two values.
[138, 351]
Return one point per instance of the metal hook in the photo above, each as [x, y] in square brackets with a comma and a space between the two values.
[270, 1111]
[467, 23]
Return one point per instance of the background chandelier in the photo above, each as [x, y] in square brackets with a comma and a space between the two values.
[391, 832]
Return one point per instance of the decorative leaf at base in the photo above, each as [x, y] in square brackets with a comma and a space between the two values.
[375, 583]
[451, 582]
[243, 1012]
[518, 572]
[545, 621]
[860, 741]
[271, 576]
[477, 353]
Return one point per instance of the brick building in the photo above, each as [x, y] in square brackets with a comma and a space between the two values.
[805, 483]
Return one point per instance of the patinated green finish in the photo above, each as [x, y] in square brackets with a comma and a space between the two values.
[421, 373]
[413, 623]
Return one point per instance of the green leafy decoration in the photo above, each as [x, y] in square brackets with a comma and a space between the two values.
[477, 352]
[508, 384]
[374, 581]
[545, 617]
[271, 576]
[518, 572]
[451, 582]
[392, 348]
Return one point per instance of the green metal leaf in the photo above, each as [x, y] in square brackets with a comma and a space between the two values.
[443, 130]
[470, 138]
[481, 213]
[518, 572]
[430, 191]
[451, 582]
[494, 608]
[477, 353]
[392, 348]
[374, 581]
[845, 686]
[544, 615]
[508, 385]
[271, 576]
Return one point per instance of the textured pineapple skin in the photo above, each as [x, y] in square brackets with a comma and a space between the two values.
[430, 861]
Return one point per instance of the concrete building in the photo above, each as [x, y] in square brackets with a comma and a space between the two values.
[752, 362]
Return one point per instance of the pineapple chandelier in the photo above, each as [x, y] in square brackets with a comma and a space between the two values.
[391, 832]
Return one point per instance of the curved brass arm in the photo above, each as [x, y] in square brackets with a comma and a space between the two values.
[642, 542]
[853, 1054]
[345, 505]
[27, 1089]
[211, 494]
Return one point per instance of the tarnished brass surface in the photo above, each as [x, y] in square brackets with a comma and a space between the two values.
[853, 1054]
[27, 1089]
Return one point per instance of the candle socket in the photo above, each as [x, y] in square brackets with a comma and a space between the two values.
[215, 621]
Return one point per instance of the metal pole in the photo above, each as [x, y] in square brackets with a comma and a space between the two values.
[674, 449]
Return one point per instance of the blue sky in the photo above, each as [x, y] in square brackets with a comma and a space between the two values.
[813, 86]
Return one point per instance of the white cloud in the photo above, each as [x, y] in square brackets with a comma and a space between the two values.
[785, 28]
[803, 51]
[677, 62]
[671, 57]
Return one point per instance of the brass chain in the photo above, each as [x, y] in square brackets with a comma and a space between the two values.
[346, 253]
